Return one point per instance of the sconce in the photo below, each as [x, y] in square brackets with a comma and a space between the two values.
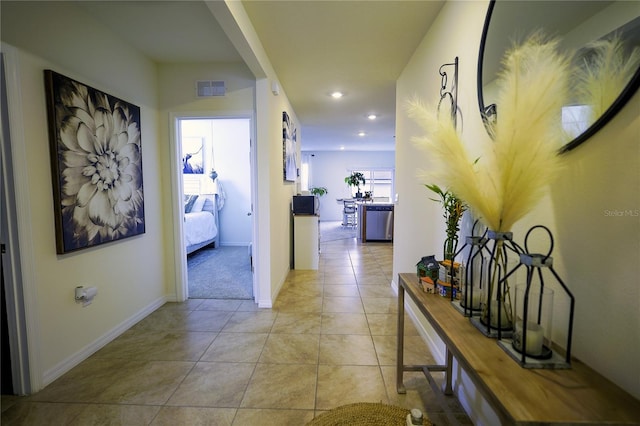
[490, 118]
[450, 91]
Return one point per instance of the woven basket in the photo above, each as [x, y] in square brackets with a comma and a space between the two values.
[365, 414]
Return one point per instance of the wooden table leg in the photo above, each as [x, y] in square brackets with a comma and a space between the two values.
[400, 345]
[448, 389]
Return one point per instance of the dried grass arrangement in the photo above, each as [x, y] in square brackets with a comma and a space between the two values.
[512, 172]
[603, 71]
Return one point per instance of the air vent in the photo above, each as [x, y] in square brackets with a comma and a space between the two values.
[205, 89]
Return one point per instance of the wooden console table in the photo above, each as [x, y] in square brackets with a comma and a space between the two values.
[519, 396]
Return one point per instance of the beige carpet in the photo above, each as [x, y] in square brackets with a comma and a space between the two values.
[220, 273]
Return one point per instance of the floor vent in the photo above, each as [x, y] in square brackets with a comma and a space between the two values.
[205, 89]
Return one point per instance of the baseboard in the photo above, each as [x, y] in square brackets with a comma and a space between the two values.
[66, 365]
[275, 291]
[172, 297]
[435, 346]
[266, 304]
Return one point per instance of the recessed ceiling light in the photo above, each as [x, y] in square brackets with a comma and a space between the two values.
[362, 134]
[337, 95]
[372, 116]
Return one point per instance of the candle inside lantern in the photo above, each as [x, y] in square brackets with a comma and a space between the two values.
[504, 318]
[472, 301]
[535, 338]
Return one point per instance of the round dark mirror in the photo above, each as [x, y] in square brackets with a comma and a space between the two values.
[578, 24]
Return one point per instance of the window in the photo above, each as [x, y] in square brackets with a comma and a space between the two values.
[576, 119]
[378, 181]
[304, 173]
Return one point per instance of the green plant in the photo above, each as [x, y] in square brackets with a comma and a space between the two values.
[454, 208]
[355, 179]
[319, 191]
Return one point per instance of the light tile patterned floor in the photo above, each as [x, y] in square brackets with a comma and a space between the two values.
[329, 340]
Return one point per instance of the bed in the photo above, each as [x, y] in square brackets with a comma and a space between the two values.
[201, 224]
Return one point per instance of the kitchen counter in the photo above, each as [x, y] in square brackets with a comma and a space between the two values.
[375, 221]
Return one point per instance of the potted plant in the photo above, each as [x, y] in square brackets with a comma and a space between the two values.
[453, 210]
[318, 191]
[355, 179]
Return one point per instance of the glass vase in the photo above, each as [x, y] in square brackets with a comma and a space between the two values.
[474, 269]
[533, 307]
[496, 317]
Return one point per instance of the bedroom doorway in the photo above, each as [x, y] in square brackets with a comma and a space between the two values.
[216, 164]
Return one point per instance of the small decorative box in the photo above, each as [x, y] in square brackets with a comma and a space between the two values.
[427, 285]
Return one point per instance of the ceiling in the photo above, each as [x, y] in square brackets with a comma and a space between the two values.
[315, 47]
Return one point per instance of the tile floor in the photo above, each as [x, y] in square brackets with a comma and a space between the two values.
[329, 340]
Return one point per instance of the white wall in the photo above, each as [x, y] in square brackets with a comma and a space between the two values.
[329, 168]
[280, 192]
[64, 332]
[272, 228]
[596, 253]
[178, 99]
[178, 93]
[61, 333]
[231, 142]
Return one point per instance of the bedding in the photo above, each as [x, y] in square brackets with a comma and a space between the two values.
[200, 222]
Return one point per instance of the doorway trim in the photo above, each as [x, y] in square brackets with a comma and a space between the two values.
[177, 196]
[19, 267]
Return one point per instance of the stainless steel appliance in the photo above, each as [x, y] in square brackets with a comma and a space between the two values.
[378, 222]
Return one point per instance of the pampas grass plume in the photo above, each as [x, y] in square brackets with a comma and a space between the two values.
[513, 171]
[450, 162]
[604, 72]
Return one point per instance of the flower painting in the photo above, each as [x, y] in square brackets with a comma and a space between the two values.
[96, 163]
[192, 155]
[289, 141]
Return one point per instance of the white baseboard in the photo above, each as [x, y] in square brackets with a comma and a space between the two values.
[66, 365]
[266, 304]
[172, 298]
[275, 291]
[434, 344]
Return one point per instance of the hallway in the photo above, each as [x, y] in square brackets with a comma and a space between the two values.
[328, 341]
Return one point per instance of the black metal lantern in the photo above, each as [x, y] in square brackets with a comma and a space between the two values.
[495, 319]
[531, 344]
[474, 271]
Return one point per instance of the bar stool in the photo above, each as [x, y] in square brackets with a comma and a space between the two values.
[349, 215]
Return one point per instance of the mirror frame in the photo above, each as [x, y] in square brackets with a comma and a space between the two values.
[615, 107]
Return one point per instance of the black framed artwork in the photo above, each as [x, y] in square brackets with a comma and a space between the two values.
[192, 155]
[96, 165]
[289, 141]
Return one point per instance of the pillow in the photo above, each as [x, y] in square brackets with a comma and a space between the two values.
[199, 204]
[189, 201]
